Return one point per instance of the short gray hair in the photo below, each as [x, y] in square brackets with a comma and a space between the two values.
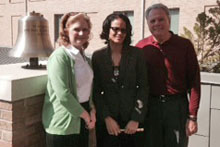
[158, 6]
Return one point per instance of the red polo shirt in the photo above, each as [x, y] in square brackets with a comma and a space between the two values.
[173, 68]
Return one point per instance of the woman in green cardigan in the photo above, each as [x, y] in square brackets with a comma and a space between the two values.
[68, 111]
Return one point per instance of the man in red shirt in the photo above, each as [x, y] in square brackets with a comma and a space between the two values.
[173, 74]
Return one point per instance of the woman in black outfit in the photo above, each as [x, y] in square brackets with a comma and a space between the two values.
[120, 86]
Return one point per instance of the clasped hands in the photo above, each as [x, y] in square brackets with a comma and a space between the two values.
[90, 119]
[114, 129]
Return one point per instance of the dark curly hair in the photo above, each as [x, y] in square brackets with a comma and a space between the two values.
[68, 19]
[107, 25]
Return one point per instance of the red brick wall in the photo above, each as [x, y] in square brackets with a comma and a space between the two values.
[20, 123]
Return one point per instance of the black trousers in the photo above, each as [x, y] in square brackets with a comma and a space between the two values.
[123, 140]
[165, 122]
[73, 140]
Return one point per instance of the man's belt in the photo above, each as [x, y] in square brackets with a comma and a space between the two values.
[166, 98]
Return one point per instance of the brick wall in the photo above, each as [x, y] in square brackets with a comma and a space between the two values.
[13, 10]
[20, 123]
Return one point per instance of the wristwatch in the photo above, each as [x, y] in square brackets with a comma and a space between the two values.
[192, 118]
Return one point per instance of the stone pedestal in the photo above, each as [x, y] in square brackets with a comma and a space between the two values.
[21, 100]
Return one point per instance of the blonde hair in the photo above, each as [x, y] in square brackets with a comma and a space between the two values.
[66, 21]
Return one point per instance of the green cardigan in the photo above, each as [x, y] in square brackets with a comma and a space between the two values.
[61, 110]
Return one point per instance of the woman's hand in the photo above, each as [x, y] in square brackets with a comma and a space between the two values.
[93, 119]
[112, 126]
[86, 117]
[131, 127]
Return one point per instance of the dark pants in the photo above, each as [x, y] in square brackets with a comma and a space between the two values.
[165, 122]
[73, 140]
[123, 140]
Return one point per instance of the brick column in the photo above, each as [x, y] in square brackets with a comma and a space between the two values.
[20, 123]
[21, 100]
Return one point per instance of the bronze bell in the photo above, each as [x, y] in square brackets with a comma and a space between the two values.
[33, 39]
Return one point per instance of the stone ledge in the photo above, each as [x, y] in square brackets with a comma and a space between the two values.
[17, 83]
[210, 78]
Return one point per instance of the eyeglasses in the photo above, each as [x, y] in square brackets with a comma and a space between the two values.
[117, 29]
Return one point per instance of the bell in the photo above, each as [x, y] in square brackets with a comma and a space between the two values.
[33, 39]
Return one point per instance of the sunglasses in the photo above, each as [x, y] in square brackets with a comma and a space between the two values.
[117, 29]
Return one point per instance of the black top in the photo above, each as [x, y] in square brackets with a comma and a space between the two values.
[123, 98]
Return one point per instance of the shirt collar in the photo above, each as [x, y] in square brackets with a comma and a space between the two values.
[72, 49]
[157, 43]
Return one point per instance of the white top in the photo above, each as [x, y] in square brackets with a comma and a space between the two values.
[83, 73]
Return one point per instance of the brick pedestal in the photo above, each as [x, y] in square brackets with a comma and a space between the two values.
[20, 123]
[21, 100]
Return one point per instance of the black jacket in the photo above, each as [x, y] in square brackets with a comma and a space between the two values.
[125, 98]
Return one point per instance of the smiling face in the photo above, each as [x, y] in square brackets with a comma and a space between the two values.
[158, 23]
[78, 33]
[117, 32]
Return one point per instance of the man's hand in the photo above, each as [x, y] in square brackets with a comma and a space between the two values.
[131, 127]
[112, 126]
[191, 127]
